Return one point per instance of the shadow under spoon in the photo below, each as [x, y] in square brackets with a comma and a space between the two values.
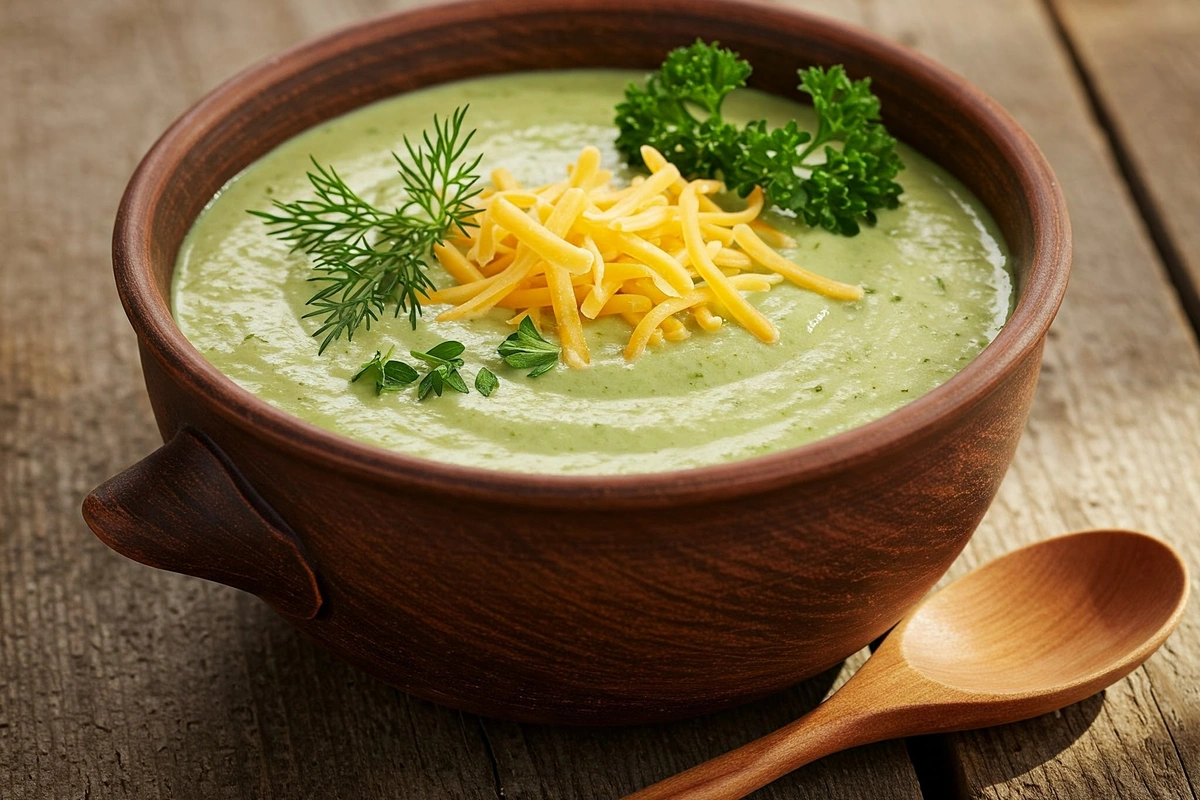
[1029, 633]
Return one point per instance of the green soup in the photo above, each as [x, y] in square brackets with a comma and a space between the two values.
[935, 271]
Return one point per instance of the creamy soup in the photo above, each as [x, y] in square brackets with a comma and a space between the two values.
[938, 289]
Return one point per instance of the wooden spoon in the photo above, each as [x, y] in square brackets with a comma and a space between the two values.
[1029, 633]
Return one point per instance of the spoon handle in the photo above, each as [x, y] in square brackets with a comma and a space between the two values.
[837, 724]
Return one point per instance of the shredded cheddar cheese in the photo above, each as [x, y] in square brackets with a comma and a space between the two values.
[652, 252]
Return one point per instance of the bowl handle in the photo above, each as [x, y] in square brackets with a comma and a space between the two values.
[186, 508]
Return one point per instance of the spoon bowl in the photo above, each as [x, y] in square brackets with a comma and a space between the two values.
[1068, 612]
[1029, 633]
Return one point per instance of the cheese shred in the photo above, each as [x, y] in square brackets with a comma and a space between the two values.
[656, 253]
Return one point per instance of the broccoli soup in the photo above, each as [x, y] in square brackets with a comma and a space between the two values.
[704, 324]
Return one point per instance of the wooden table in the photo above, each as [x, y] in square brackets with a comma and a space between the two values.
[121, 681]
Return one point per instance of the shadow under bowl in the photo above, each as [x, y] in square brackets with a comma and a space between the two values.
[594, 600]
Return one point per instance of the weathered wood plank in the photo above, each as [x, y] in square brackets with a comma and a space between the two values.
[599, 764]
[208, 694]
[1141, 59]
[1142, 63]
[120, 681]
[1112, 439]
[115, 680]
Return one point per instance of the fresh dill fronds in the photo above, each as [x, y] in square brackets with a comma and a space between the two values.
[526, 349]
[366, 258]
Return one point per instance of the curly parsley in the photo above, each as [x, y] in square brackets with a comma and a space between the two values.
[834, 187]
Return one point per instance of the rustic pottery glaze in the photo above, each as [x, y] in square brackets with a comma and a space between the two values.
[594, 600]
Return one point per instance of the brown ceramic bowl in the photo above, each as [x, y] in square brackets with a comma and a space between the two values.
[572, 599]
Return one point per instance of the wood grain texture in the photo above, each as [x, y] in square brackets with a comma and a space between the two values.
[1027, 634]
[591, 599]
[1112, 438]
[1141, 61]
[607, 763]
[210, 695]
[207, 693]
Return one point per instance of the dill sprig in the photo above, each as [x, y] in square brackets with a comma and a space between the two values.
[368, 259]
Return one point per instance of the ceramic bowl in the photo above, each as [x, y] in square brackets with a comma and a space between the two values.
[594, 600]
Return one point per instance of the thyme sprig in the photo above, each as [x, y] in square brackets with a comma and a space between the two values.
[366, 258]
[389, 375]
[526, 349]
[444, 363]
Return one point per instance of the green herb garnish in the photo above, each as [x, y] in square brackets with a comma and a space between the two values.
[443, 355]
[525, 348]
[368, 258]
[390, 376]
[444, 363]
[833, 187]
[486, 382]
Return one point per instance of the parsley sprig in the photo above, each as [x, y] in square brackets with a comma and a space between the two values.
[802, 171]
[526, 349]
[367, 258]
[443, 362]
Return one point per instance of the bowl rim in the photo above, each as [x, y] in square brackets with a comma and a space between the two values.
[150, 315]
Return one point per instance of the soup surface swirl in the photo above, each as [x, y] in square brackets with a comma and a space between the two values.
[935, 270]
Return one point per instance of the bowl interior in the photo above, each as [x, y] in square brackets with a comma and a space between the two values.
[924, 105]
[244, 121]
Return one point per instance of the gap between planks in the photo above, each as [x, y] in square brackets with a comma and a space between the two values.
[1148, 209]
